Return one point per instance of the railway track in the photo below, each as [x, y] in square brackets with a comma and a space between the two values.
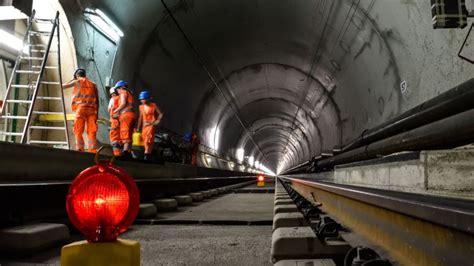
[406, 229]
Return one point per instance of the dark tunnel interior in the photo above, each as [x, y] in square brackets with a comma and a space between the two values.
[279, 81]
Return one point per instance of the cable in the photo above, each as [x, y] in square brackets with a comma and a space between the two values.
[201, 63]
[313, 65]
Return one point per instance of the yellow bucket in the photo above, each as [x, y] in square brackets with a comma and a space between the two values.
[137, 139]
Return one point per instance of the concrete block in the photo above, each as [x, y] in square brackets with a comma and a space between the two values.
[289, 219]
[196, 196]
[165, 204]
[283, 201]
[234, 186]
[317, 262]
[445, 172]
[285, 208]
[214, 192]
[283, 197]
[206, 194]
[184, 200]
[289, 243]
[27, 239]
[450, 170]
[147, 210]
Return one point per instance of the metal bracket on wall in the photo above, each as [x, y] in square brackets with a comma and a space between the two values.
[466, 43]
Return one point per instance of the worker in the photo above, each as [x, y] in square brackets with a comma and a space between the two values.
[114, 133]
[126, 115]
[187, 147]
[85, 103]
[150, 117]
[195, 146]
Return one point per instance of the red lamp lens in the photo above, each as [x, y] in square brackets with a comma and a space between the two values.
[261, 178]
[102, 202]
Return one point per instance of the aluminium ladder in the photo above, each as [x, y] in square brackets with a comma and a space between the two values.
[35, 90]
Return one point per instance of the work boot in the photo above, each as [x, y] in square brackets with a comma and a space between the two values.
[147, 157]
[126, 155]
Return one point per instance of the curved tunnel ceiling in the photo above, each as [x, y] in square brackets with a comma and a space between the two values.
[284, 80]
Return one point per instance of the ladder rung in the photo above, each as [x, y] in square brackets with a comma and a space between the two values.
[27, 72]
[36, 45]
[47, 113]
[48, 98]
[47, 67]
[43, 20]
[22, 86]
[47, 128]
[48, 142]
[31, 58]
[43, 51]
[14, 117]
[11, 133]
[40, 33]
[50, 82]
[18, 101]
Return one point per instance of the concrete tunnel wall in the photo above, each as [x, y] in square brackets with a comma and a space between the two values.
[293, 77]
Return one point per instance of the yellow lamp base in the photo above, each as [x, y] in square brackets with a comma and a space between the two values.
[260, 183]
[119, 253]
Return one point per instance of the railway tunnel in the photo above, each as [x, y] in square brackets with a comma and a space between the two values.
[358, 112]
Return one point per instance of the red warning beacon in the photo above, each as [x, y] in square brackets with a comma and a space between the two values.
[102, 201]
[260, 181]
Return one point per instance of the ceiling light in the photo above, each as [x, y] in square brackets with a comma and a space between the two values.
[104, 24]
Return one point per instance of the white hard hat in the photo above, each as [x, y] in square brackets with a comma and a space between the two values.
[112, 90]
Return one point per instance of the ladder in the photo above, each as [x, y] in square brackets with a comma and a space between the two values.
[35, 90]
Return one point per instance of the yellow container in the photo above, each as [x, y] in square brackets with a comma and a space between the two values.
[118, 253]
[137, 139]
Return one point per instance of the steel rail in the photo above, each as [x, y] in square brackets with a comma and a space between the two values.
[414, 229]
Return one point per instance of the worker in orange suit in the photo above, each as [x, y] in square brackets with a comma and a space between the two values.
[150, 117]
[195, 146]
[85, 103]
[126, 115]
[114, 133]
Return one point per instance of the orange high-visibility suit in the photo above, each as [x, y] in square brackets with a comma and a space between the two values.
[150, 116]
[85, 104]
[127, 116]
[195, 143]
[114, 133]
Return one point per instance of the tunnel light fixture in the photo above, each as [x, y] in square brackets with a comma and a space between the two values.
[208, 159]
[266, 170]
[239, 154]
[251, 161]
[103, 24]
[257, 164]
[216, 138]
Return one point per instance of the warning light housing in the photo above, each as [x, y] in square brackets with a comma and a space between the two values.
[261, 178]
[102, 202]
